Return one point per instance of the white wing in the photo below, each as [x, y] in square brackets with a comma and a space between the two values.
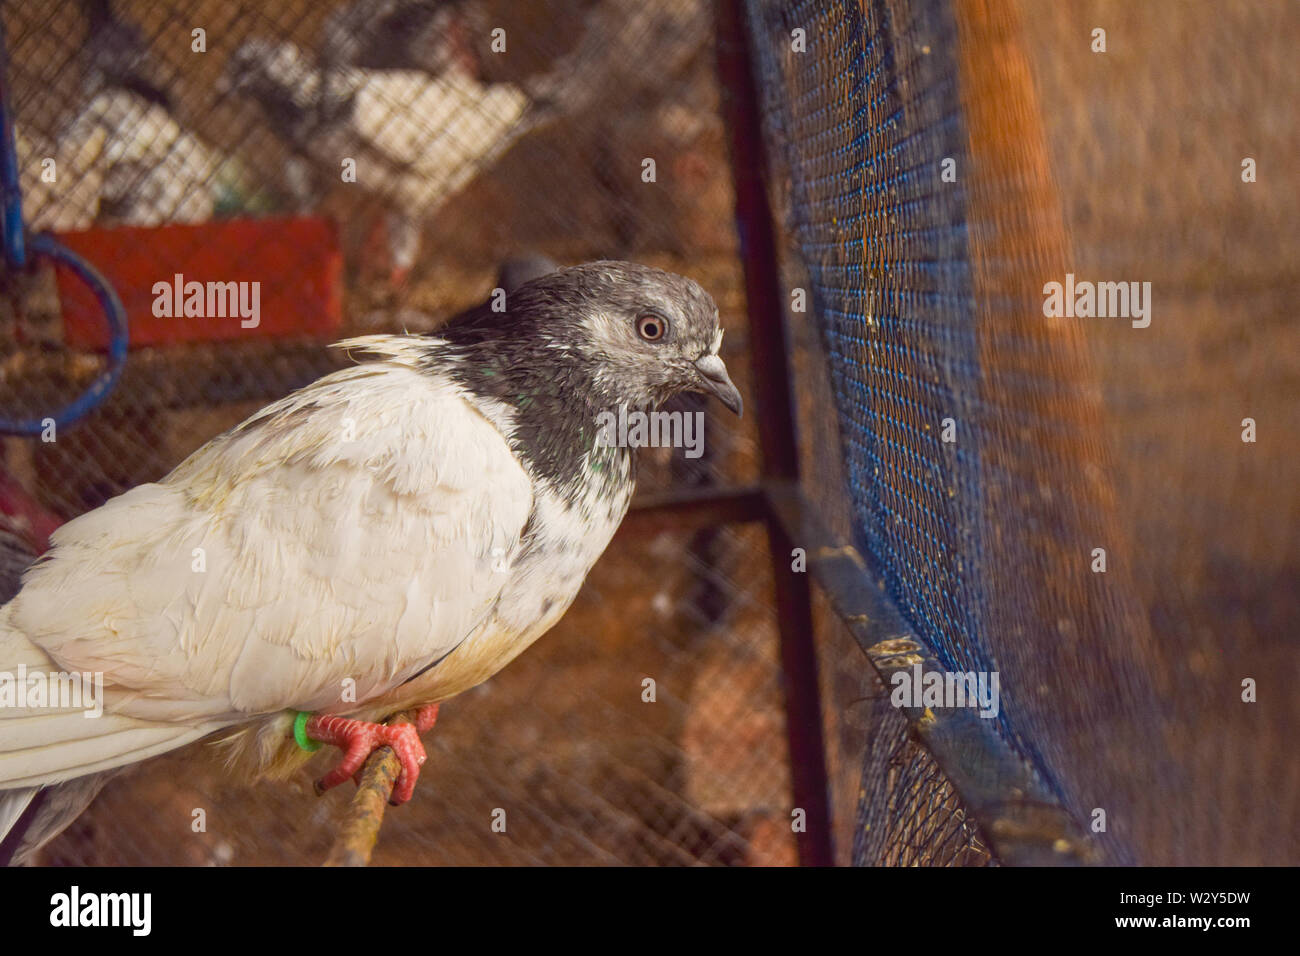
[348, 532]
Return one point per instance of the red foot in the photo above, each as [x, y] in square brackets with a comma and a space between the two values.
[359, 739]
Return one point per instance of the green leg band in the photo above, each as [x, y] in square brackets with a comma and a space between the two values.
[300, 732]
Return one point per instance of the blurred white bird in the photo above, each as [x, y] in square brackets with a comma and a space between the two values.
[417, 139]
[123, 158]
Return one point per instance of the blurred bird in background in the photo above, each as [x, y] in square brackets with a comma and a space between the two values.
[124, 157]
[399, 86]
[381, 540]
[394, 89]
[432, 36]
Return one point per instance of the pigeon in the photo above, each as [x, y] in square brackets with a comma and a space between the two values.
[124, 158]
[416, 139]
[115, 54]
[425, 35]
[379, 541]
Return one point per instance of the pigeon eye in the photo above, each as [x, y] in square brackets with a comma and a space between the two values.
[651, 327]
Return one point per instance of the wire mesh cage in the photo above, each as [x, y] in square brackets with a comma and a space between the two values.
[404, 174]
[383, 166]
[939, 164]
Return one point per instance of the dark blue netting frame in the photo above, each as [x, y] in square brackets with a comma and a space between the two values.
[919, 290]
[884, 312]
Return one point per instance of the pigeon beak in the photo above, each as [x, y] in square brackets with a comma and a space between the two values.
[715, 380]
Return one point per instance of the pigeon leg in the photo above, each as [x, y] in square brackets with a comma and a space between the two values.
[359, 739]
[426, 717]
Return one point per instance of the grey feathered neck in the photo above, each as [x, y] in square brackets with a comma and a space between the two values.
[525, 358]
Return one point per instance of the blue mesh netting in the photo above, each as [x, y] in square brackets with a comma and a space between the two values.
[925, 322]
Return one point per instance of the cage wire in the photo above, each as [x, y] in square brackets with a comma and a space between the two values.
[1119, 690]
[1122, 691]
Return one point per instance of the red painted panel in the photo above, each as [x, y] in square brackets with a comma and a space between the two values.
[296, 262]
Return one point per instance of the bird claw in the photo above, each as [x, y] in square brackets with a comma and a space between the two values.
[358, 739]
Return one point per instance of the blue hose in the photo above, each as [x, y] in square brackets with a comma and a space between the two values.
[17, 245]
[45, 246]
[11, 194]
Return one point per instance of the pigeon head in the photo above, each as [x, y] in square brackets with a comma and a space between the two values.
[283, 80]
[643, 335]
[578, 342]
[262, 65]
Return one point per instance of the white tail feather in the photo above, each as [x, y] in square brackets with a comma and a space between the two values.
[42, 744]
[39, 750]
[12, 805]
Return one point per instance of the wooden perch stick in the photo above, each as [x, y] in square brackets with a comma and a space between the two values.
[365, 815]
